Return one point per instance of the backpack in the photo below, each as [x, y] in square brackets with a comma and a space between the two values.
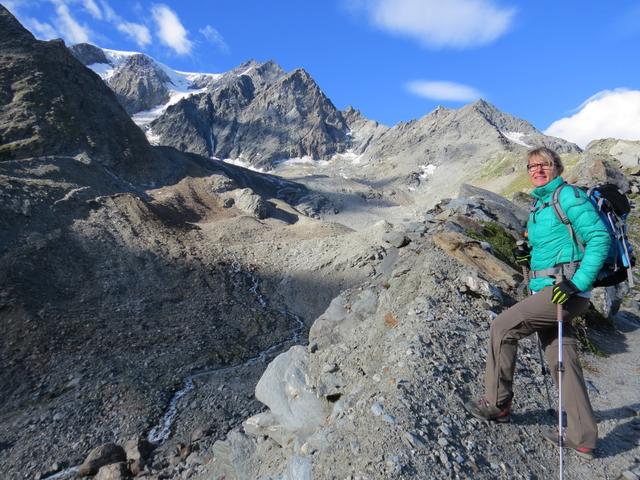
[613, 206]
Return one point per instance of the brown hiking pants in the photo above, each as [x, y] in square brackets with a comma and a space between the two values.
[536, 313]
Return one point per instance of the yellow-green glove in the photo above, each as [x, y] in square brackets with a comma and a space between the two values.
[563, 291]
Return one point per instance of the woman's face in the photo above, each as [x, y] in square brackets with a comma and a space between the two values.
[541, 171]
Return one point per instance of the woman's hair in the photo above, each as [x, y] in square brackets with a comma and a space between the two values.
[551, 157]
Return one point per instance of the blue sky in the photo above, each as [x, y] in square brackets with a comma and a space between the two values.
[574, 63]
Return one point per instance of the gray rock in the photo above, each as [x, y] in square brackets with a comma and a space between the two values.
[105, 454]
[114, 471]
[413, 440]
[137, 451]
[495, 208]
[626, 152]
[595, 168]
[607, 300]
[194, 459]
[364, 132]
[86, 117]
[251, 203]
[366, 304]
[234, 458]
[314, 205]
[292, 401]
[397, 239]
[377, 409]
[298, 468]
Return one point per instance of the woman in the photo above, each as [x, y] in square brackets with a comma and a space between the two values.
[551, 246]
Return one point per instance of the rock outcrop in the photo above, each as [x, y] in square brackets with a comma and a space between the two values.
[626, 152]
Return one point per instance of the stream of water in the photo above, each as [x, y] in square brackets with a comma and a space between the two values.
[162, 432]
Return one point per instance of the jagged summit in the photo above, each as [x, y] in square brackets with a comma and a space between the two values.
[88, 54]
[502, 121]
[140, 84]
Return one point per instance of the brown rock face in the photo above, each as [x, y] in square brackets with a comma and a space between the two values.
[469, 253]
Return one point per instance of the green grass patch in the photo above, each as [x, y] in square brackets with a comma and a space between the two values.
[501, 241]
[519, 184]
[499, 165]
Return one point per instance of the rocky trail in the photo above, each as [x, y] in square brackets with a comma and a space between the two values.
[378, 393]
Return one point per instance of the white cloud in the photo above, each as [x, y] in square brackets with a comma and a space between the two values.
[610, 113]
[109, 14]
[214, 37]
[12, 5]
[440, 23]
[439, 90]
[70, 29]
[41, 30]
[91, 7]
[170, 30]
[139, 33]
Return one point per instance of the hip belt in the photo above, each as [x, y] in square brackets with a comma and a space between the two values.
[567, 270]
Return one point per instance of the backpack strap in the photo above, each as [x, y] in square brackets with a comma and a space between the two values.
[562, 216]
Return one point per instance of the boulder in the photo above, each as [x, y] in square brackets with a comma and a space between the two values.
[314, 204]
[340, 318]
[293, 404]
[137, 451]
[396, 239]
[484, 205]
[114, 471]
[597, 168]
[234, 458]
[608, 300]
[103, 455]
[249, 202]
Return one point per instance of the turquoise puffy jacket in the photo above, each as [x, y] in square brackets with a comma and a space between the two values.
[551, 243]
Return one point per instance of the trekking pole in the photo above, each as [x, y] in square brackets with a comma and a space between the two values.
[525, 274]
[560, 370]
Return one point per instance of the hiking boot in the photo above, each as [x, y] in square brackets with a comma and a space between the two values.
[551, 435]
[482, 410]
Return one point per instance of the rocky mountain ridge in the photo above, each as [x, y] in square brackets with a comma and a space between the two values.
[145, 292]
[255, 112]
[259, 116]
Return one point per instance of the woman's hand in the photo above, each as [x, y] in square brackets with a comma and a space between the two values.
[562, 291]
[522, 254]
